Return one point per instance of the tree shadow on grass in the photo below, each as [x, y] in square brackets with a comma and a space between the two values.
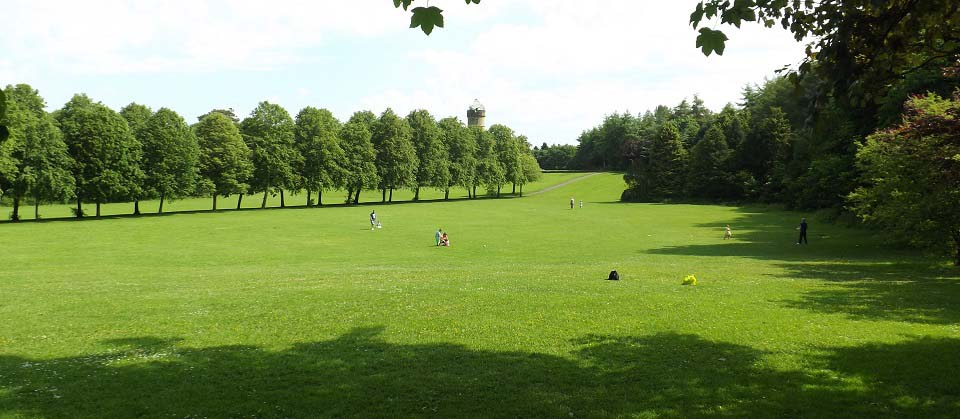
[914, 292]
[228, 208]
[917, 378]
[858, 277]
[359, 374]
[773, 236]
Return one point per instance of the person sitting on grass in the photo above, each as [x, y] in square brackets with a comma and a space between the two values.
[444, 240]
[728, 234]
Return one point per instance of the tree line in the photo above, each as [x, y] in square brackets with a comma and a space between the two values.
[89, 153]
[892, 164]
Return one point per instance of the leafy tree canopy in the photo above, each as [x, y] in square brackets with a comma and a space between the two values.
[317, 137]
[225, 165]
[170, 155]
[912, 175]
[859, 47]
[269, 132]
[4, 131]
[106, 153]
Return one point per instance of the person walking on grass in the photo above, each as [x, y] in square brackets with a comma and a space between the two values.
[803, 231]
[571, 202]
[728, 233]
[373, 219]
[581, 204]
[438, 236]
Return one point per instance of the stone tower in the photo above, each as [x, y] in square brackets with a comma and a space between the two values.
[476, 115]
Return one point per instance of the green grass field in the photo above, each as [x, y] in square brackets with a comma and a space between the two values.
[306, 312]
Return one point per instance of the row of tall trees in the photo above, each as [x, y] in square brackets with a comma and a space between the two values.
[88, 152]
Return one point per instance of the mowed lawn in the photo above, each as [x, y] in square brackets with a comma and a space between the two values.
[306, 312]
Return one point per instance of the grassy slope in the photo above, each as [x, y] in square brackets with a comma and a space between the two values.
[304, 312]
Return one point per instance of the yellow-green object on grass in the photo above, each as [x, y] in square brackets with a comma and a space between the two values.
[689, 280]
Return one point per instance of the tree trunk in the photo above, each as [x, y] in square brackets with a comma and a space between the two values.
[416, 194]
[264, 203]
[384, 197]
[320, 198]
[36, 201]
[349, 195]
[956, 261]
[16, 208]
[239, 199]
[160, 210]
[391, 194]
[956, 241]
[514, 188]
[474, 191]
[136, 207]
[98, 208]
[214, 201]
[446, 194]
[281, 198]
[79, 208]
[521, 189]
[498, 191]
[308, 197]
[356, 200]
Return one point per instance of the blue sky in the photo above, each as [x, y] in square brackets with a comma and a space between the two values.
[549, 69]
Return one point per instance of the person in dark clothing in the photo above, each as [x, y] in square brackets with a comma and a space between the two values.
[803, 231]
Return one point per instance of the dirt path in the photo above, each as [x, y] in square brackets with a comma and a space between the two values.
[560, 185]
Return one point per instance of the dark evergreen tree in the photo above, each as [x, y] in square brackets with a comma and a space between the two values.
[707, 174]
[667, 162]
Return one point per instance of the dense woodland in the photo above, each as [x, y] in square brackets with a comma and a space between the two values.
[89, 153]
[785, 144]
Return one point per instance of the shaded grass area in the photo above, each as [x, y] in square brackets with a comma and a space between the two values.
[856, 273]
[665, 374]
[306, 313]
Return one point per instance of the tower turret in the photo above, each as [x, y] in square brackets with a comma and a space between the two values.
[476, 115]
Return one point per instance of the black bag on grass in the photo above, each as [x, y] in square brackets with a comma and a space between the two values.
[614, 276]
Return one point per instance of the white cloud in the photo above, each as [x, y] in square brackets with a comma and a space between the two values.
[547, 68]
[578, 62]
[115, 37]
